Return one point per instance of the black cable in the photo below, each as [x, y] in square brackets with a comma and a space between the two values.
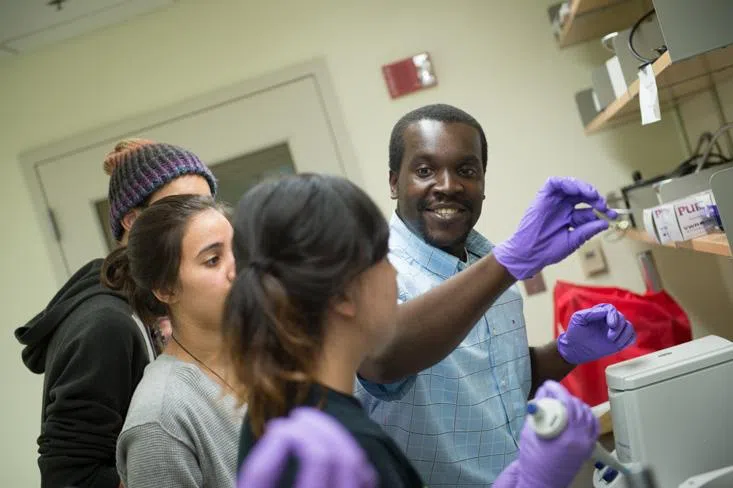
[631, 40]
[711, 144]
[704, 137]
[717, 146]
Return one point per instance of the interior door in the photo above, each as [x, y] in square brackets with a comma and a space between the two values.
[290, 116]
[234, 177]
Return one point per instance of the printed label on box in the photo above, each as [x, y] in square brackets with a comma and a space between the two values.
[665, 223]
[691, 215]
[649, 224]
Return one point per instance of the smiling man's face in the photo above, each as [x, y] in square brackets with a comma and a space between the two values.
[440, 186]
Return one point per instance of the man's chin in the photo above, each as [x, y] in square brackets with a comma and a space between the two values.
[448, 243]
[442, 238]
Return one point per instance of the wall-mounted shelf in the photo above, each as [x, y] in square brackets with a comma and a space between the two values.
[593, 19]
[711, 244]
[675, 82]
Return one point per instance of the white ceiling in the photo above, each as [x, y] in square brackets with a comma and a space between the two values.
[28, 24]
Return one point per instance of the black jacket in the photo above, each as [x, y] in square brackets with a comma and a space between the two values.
[93, 354]
[392, 466]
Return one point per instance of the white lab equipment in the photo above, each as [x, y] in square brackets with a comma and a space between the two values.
[671, 411]
[720, 478]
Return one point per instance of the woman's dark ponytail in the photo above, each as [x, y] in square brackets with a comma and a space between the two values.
[117, 275]
[276, 367]
[116, 271]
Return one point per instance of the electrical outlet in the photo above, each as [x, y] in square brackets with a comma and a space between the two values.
[592, 259]
[535, 284]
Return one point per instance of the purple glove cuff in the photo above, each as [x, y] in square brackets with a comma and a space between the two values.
[566, 350]
[517, 267]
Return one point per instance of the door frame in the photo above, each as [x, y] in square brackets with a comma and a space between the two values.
[316, 69]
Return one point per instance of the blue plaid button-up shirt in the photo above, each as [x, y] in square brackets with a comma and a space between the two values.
[458, 421]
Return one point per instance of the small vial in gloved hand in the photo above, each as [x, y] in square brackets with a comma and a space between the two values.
[547, 417]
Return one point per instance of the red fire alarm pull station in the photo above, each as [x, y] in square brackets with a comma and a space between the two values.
[409, 75]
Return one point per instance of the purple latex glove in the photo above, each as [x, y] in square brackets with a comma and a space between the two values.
[594, 333]
[552, 228]
[327, 454]
[509, 478]
[553, 463]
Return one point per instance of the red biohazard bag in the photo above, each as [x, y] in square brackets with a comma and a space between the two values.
[657, 318]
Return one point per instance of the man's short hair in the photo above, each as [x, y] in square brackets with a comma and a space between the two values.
[439, 112]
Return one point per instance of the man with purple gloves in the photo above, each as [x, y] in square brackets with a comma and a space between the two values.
[452, 388]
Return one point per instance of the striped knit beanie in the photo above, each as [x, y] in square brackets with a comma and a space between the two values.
[139, 167]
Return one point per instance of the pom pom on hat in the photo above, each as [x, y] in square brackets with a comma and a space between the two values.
[115, 157]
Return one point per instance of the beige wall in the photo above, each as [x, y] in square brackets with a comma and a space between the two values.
[495, 59]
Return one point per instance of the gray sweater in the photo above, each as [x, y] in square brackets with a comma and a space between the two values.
[180, 430]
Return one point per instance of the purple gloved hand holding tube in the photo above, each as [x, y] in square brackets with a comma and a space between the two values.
[552, 228]
[552, 461]
[327, 455]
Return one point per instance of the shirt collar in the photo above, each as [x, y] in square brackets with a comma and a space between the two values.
[430, 257]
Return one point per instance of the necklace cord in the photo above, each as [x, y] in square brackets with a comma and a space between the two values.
[201, 362]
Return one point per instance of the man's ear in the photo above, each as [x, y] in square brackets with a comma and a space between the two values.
[130, 218]
[393, 178]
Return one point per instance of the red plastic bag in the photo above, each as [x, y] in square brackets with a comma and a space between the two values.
[657, 318]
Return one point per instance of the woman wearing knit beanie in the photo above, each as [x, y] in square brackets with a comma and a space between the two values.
[87, 342]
